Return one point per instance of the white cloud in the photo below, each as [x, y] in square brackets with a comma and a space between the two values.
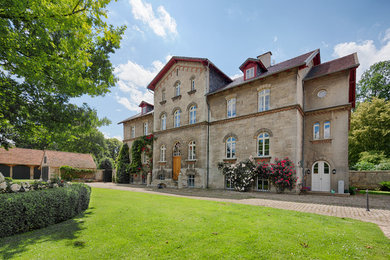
[368, 53]
[275, 38]
[107, 135]
[133, 79]
[237, 75]
[161, 22]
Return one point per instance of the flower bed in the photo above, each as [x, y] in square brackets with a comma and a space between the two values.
[24, 211]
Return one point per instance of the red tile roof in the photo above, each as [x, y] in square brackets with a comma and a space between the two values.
[76, 160]
[21, 156]
[340, 64]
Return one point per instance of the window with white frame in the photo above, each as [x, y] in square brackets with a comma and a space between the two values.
[144, 110]
[327, 130]
[192, 114]
[316, 131]
[231, 107]
[161, 177]
[263, 144]
[193, 84]
[133, 132]
[176, 122]
[191, 180]
[144, 158]
[163, 122]
[163, 151]
[262, 184]
[163, 95]
[145, 128]
[231, 148]
[191, 151]
[177, 89]
[264, 98]
[250, 73]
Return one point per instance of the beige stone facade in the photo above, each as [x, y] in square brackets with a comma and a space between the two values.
[298, 109]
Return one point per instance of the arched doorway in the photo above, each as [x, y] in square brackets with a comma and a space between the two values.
[320, 179]
[176, 161]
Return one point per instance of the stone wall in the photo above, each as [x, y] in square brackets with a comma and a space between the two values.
[367, 179]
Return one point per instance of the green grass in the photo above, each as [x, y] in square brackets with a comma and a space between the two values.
[130, 225]
[378, 192]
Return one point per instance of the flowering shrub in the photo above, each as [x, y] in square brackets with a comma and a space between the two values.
[283, 174]
[143, 144]
[240, 174]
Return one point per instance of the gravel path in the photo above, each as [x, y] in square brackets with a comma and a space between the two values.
[344, 206]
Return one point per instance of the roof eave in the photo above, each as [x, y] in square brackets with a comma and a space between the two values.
[319, 76]
[131, 119]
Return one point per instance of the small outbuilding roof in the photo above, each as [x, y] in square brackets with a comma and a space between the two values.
[21, 156]
[76, 160]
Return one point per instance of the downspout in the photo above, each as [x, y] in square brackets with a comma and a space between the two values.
[208, 128]
[303, 137]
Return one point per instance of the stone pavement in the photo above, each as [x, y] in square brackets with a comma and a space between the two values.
[317, 204]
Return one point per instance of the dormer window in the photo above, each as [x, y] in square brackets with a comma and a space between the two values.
[144, 110]
[250, 73]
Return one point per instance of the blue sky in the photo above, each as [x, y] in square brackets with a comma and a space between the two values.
[227, 33]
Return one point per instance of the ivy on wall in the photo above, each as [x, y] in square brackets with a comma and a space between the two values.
[143, 144]
[69, 173]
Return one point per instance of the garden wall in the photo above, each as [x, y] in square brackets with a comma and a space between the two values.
[367, 179]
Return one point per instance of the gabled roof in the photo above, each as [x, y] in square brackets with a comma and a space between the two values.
[145, 103]
[301, 60]
[340, 64]
[76, 160]
[139, 115]
[252, 60]
[21, 156]
[174, 60]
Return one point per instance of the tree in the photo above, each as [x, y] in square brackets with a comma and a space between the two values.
[123, 165]
[51, 52]
[113, 146]
[370, 129]
[375, 82]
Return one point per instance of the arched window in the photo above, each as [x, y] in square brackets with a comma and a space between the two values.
[192, 115]
[176, 122]
[163, 122]
[191, 151]
[163, 150]
[177, 88]
[263, 144]
[316, 131]
[264, 98]
[231, 147]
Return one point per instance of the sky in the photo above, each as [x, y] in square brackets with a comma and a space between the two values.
[229, 32]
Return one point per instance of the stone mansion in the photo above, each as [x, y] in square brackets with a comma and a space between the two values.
[298, 108]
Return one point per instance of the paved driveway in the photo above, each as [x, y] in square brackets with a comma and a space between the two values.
[344, 207]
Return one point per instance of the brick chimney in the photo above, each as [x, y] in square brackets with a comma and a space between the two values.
[265, 58]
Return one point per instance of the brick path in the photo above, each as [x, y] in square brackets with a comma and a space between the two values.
[381, 217]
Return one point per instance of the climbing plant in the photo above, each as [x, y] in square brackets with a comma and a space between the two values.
[143, 144]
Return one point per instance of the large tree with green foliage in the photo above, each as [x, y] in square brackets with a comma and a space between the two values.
[375, 82]
[51, 51]
[123, 165]
[370, 129]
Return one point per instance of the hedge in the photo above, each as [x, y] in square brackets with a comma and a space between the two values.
[22, 212]
[69, 173]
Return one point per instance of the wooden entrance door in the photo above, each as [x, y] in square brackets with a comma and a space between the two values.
[320, 178]
[176, 161]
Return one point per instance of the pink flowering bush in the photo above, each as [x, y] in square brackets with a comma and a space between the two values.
[283, 175]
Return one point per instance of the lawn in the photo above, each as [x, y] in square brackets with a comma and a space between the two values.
[122, 224]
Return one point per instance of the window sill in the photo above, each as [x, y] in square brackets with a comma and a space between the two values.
[228, 117]
[321, 141]
[176, 97]
[259, 159]
[229, 159]
[162, 162]
[191, 92]
[190, 160]
[163, 102]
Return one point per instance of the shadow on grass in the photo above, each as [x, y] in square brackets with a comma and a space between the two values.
[67, 230]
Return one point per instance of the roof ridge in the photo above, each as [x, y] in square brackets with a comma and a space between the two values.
[293, 58]
[336, 59]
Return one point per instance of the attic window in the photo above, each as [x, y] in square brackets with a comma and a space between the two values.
[144, 110]
[250, 73]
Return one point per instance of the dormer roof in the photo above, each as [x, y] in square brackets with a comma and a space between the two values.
[144, 103]
[252, 60]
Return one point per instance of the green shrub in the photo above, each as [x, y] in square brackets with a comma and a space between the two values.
[384, 166]
[69, 173]
[352, 190]
[106, 163]
[364, 166]
[123, 165]
[385, 186]
[22, 212]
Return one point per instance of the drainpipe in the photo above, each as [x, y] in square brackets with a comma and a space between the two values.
[303, 138]
[208, 127]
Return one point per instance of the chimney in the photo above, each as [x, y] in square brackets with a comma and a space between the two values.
[265, 58]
